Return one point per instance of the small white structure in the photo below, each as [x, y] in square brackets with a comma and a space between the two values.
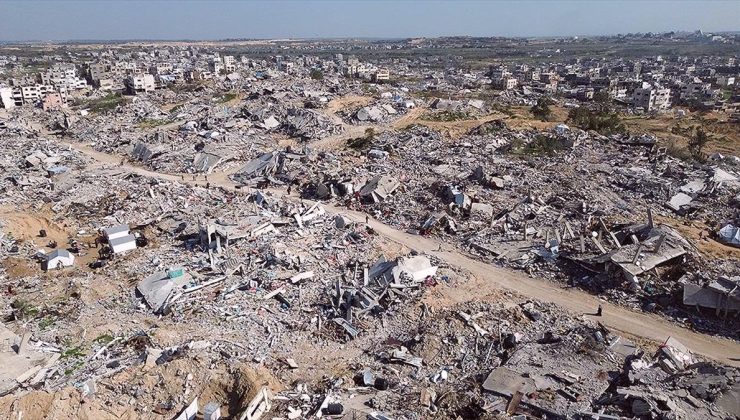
[115, 232]
[120, 239]
[59, 258]
[122, 244]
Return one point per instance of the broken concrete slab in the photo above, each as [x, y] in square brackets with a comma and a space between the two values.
[481, 209]
[504, 381]
[158, 288]
[678, 201]
[379, 188]
[678, 354]
[418, 267]
[663, 244]
[20, 363]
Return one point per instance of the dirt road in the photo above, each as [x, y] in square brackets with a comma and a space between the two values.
[629, 322]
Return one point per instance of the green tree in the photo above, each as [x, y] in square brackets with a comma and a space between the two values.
[602, 121]
[541, 109]
[317, 74]
[580, 117]
[602, 100]
[697, 143]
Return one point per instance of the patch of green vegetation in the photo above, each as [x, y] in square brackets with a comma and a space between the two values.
[76, 365]
[46, 322]
[368, 90]
[446, 116]
[603, 100]
[516, 143]
[358, 143]
[103, 339]
[490, 127]
[151, 123]
[681, 130]
[432, 94]
[541, 110]
[60, 300]
[697, 143]
[412, 127]
[602, 121]
[504, 109]
[226, 97]
[541, 145]
[317, 74]
[23, 309]
[104, 104]
[177, 108]
[73, 352]
[186, 87]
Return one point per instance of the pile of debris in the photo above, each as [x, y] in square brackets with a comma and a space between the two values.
[491, 194]
[301, 123]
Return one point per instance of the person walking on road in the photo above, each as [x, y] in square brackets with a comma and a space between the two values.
[599, 310]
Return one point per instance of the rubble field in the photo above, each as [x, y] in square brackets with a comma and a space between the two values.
[288, 244]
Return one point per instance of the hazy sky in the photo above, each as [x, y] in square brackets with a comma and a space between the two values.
[109, 19]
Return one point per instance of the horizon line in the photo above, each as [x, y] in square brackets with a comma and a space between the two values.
[337, 38]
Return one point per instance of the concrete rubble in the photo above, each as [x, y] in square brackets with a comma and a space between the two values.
[599, 232]
[257, 243]
[312, 276]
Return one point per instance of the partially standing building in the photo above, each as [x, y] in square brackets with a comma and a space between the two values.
[651, 98]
